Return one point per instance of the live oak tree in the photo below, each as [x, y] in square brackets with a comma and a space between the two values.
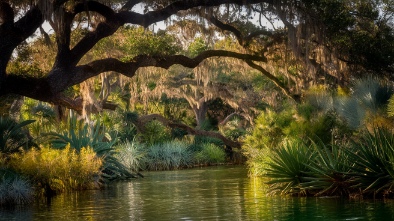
[327, 39]
[17, 26]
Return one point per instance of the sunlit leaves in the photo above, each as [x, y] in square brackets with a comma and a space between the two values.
[197, 47]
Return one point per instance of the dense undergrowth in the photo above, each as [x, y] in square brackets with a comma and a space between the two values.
[363, 168]
[331, 145]
[78, 156]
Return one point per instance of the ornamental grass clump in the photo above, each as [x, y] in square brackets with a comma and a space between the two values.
[79, 134]
[59, 170]
[169, 155]
[14, 190]
[132, 155]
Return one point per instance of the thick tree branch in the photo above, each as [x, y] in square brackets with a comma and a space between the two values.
[130, 4]
[104, 29]
[48, 88]
[65, 72]
[83, 72]
[274, 79]
[159, 15]
[242, 40]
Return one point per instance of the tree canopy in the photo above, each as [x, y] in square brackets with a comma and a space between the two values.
[313, 39]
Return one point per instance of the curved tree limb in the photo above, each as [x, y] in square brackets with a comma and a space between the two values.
[66, 71]
[274, 79]
[49, 88]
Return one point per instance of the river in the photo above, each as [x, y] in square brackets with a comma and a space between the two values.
[212, 193]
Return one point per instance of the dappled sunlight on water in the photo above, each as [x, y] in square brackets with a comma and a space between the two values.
[214, 193]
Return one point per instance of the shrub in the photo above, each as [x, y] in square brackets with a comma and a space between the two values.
[154, 133]
[330, 172]
[59, 170]
[12, 136]
[210, 154]
[15, 190]
[79, 135]
[132, 155]
[373, 159]
[258, 159]
[289, 167]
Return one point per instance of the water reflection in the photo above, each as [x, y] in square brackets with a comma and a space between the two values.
[215, 193]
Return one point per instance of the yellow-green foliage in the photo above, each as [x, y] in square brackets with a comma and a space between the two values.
[258, 159]
[59, 170]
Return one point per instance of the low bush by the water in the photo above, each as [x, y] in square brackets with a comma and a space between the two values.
[258, 159]
[364, 169]
[373, 159]
[329, 172]
[169, 155]
[132, 155]
[210, 154]
[59, 170]
[79, 135]
[14, 189]
[289, 167]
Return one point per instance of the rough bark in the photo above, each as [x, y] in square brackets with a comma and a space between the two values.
[66, 72]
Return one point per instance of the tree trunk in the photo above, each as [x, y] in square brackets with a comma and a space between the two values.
[200, 111]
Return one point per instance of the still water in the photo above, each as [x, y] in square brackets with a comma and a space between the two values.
[214, 193]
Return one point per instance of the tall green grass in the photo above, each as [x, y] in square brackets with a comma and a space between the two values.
[169, 155]
[132, 155]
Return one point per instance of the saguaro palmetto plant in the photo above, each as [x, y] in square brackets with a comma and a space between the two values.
[12, 136]
[373, 159]
[329, 171]
[289, 167]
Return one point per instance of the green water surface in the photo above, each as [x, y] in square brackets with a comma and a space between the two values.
[214, 193]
